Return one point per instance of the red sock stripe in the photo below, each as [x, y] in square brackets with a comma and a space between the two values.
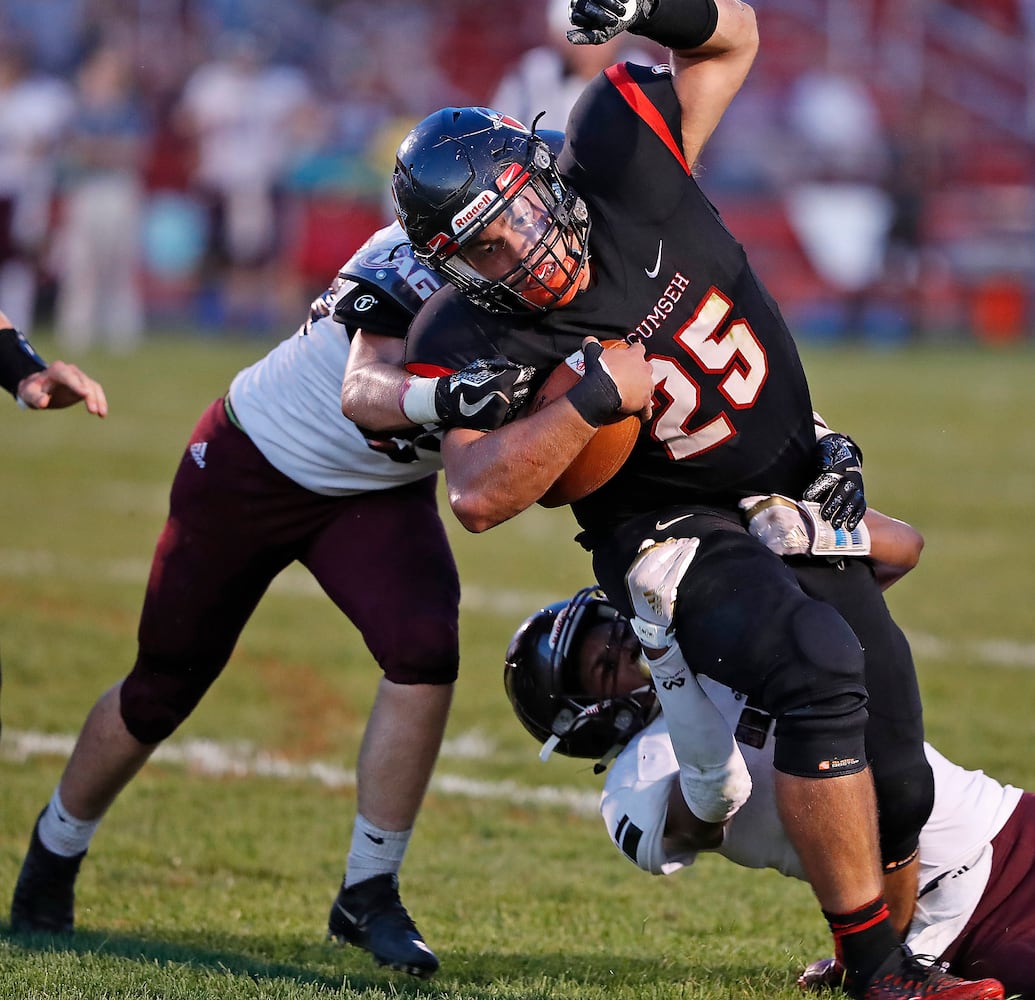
[845, 929]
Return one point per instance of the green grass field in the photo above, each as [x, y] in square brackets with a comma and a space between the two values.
[212, 880]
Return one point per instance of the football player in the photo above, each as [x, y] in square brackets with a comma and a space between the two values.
[575, 677]
[615, 239]
[273, 473]
[36, 385]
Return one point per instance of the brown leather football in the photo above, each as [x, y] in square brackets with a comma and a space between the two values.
[604, 453]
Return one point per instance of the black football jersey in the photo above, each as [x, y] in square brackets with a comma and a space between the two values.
[732, 410]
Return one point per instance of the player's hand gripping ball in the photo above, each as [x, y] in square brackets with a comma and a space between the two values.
[604, 453]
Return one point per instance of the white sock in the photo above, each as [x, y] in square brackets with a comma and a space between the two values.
[374, 851]
[62, 833]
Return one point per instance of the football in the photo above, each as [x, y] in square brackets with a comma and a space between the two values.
[604, 453]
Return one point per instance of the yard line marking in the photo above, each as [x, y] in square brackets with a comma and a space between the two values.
[211, 759]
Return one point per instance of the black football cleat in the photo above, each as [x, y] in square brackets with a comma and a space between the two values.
[44, 895]
[370, 915]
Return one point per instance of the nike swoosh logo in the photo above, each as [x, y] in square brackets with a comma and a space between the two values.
[470, 409]
[657, 263]
[376, 840]
[662, 525]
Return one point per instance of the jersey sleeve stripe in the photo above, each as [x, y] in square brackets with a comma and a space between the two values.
[644, 109]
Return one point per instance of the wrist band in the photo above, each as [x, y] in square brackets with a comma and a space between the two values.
[417, 400]
[680, 24]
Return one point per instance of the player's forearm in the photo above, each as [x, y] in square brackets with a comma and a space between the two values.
[373, 382]
[686, 832]
[492, 477]
[895, 546]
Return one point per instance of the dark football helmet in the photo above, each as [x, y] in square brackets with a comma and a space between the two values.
[541, 676]
[460, 170]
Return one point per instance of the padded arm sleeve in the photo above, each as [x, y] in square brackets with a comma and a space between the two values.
[17, 359]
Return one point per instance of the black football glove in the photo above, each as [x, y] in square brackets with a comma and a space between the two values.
[482, 396]
[839, 485]
[598, 21]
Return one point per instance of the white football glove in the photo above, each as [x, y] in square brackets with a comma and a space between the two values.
[652, 581]
[796, 528]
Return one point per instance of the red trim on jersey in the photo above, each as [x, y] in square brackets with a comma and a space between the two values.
[637, 100]
[428, 371]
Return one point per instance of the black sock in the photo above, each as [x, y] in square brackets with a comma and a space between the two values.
[863, 939]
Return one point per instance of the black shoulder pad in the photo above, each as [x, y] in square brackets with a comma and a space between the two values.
[382, 286]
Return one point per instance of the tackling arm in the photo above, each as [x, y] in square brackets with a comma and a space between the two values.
[374, 377]
[895, 546]
[788, 529]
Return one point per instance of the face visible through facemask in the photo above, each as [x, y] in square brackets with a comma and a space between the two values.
[610, 662]
[525, 249]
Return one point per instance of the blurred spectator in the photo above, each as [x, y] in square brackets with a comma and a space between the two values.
[50, 30]
[550, 77]
[34, 111]
[98, 245]
[242, 111]
[837, 204]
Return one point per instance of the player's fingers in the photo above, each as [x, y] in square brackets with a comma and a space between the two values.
[95, 400]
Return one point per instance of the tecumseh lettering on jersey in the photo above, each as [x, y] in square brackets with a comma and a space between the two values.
[662, 309]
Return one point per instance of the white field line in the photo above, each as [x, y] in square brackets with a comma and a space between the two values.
[513, 605]
[209, 758]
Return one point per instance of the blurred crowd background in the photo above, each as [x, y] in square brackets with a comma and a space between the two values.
[208, 164]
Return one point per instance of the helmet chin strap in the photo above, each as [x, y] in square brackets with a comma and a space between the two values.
[581, 719]
[548, 748]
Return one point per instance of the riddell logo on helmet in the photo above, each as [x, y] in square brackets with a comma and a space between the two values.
[470, 212]
[836, 763]
[555, 631]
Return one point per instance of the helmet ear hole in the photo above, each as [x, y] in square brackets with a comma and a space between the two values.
[563, 721]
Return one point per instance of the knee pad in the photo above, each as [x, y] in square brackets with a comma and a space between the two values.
[818, 696]
[905, 798]
[425, 651]
[156, 697]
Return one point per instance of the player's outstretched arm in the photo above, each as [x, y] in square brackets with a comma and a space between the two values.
[39, 386]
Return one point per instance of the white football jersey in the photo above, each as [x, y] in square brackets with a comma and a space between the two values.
[289, 404]
[970, 808]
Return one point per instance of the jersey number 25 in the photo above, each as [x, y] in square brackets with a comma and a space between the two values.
[730, 350]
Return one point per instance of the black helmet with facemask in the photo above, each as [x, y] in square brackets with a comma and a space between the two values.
[460, 170]
[541, 676]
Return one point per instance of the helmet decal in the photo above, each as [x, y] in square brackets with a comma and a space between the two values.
[469, 213]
